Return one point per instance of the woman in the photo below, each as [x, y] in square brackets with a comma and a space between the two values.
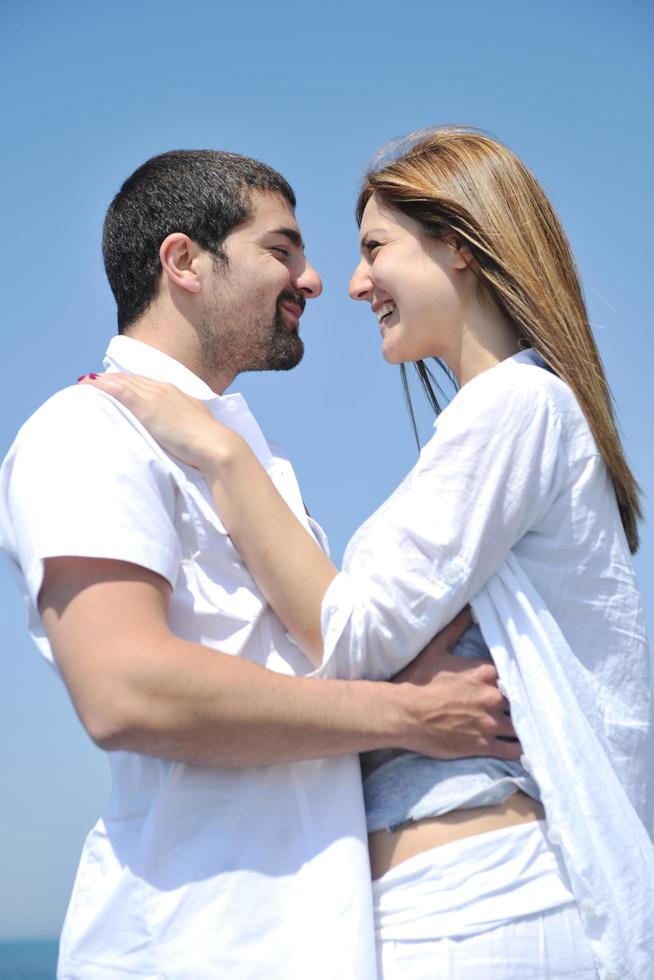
[522, 505]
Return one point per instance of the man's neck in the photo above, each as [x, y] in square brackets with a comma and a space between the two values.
[182, 345]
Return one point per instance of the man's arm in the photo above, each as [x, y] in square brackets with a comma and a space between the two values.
[139, 687]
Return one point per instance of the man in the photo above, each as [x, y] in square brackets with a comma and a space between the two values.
[234, 844]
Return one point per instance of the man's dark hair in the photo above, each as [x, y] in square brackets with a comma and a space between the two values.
[202, 193]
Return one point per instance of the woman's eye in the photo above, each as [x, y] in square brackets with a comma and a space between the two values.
[371, 246]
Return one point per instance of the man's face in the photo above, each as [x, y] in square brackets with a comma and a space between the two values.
[254, 301]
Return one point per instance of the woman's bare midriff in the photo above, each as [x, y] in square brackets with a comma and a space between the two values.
[390, 848]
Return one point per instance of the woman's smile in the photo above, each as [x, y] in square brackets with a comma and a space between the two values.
[386, 314]
[410, 282]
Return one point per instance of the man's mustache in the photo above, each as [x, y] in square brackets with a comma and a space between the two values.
[292, 297]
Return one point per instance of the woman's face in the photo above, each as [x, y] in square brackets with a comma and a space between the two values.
[413, 285]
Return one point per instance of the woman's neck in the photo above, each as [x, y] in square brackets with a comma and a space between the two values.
[488, 337]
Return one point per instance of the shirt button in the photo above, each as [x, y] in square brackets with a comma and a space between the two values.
[554, 836]
[588, 908]
[453, 572]
[612, 975]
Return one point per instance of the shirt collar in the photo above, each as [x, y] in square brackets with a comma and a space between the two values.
[527, 356]
[131, 356]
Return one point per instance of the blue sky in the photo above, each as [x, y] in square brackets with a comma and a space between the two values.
[90, 90]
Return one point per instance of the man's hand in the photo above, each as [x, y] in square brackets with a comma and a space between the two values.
[455, 701]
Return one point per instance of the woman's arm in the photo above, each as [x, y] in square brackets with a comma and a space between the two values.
[485, 479]
[285, 560]
[287, 563]
[489, 477]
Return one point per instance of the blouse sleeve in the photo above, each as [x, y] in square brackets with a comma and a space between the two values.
[488, 475]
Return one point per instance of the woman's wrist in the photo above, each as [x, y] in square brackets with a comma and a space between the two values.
[218, 457]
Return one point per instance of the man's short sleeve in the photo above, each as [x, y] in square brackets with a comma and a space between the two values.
[83, 478]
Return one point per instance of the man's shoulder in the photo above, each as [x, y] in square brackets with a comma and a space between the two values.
[79, 414]
[81, 432]
[77, 406]
[81, 479]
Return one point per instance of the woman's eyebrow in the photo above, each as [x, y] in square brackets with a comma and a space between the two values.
[370, 233]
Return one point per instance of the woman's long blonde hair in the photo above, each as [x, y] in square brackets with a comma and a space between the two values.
[459, 181]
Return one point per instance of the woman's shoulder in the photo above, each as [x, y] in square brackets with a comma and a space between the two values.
[518, 396]
[520, 383]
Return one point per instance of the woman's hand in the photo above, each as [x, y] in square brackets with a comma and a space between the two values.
[183, 425]
[281, 555]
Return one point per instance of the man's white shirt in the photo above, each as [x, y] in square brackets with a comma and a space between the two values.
[193, 872]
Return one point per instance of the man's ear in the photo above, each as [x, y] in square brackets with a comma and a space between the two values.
[178, 254]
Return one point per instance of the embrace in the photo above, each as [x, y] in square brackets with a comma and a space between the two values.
[433, 763]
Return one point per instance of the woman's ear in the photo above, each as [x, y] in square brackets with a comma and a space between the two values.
[463, 257]
[178, 254]
[467, 259]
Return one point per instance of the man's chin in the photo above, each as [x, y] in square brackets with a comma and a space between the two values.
[287, 360]
[283, 356]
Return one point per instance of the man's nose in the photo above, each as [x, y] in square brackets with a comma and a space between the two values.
[309, 282]
[360, 285]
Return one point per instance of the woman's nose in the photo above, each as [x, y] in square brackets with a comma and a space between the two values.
[360, 285]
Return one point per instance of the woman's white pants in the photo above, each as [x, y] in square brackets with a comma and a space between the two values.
[491, 907]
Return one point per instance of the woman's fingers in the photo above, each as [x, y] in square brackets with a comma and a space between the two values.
[155, 404]
[129, 386]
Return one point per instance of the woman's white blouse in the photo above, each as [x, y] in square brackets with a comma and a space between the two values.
[510, 508]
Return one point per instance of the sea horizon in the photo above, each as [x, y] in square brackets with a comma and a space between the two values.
[28, 957]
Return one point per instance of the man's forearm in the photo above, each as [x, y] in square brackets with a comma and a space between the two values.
[139, 687]
[207, 708]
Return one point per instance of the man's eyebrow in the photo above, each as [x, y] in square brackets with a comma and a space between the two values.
[293, 236]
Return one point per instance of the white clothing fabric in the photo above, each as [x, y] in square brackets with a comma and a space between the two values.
[401, 787]
[510, 508]
[543, 946]
[193, 872]
[494, 906]
[470, 886]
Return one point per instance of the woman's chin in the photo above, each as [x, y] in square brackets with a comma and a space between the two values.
[390, 353]
[396, 357]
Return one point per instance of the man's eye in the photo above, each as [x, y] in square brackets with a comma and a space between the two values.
[283, 251]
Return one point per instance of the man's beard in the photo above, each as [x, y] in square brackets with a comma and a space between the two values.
[266, 345]
[276, 347]
[282, 350]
